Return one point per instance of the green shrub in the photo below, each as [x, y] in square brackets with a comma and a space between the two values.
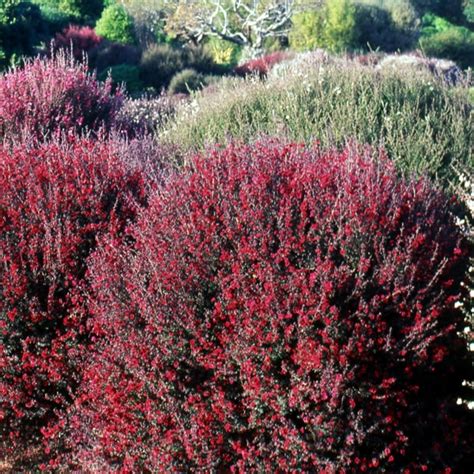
[161, 62]
[456, 44]
[223, 52]
[423, 124]
[452, 10]
[442, 39]
[186, 81]
[305, 31]
[469, 11]
[432, 24]
[116, 25]
[126, 74]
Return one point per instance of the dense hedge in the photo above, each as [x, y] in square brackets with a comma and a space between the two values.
[55, 201]
[80, 39]
[278, 308]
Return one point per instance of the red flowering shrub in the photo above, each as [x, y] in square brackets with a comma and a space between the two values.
[80, 38]
[261, 66]
[47, 96]
[56, 200]
[278, 309]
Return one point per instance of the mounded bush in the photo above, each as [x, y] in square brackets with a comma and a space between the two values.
[261, 66]
[161, 62]
[48, 96]
[116, 25]
[56, 201]
[279, 308]
[108, 54]
[81, 39]
[333, 99]
[146, 115]
[423, 67]
[186, 81]
[443, 39]
[456, 43]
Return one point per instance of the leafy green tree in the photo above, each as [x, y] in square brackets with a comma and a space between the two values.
[331, 25]
[306, 30]
[116, 25]
[468, 10]
[148, 18]
[450, 9]
[21, 28]
[389, 25]
[340, 28]
[443, 39]
[80, 11]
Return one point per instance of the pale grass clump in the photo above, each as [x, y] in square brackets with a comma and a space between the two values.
[422, 122]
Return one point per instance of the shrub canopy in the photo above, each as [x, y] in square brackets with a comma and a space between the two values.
[56, 200]
[279, 308]
[49, 96]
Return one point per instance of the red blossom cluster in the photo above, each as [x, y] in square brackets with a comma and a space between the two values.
[261, 66]
[79, 39]
[56, 200]
[277, 308]
[48, 96]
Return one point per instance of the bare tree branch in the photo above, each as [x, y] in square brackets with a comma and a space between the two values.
[244, 22]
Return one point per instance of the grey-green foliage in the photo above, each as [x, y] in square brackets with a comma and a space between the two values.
[186, 81]
[424, 125]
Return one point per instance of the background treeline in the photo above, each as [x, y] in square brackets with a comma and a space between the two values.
[145, 44]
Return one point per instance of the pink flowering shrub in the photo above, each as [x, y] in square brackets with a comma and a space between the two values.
[47, 96]
[278, 309]
[261, 66]
[81, 39]
[55, 201]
